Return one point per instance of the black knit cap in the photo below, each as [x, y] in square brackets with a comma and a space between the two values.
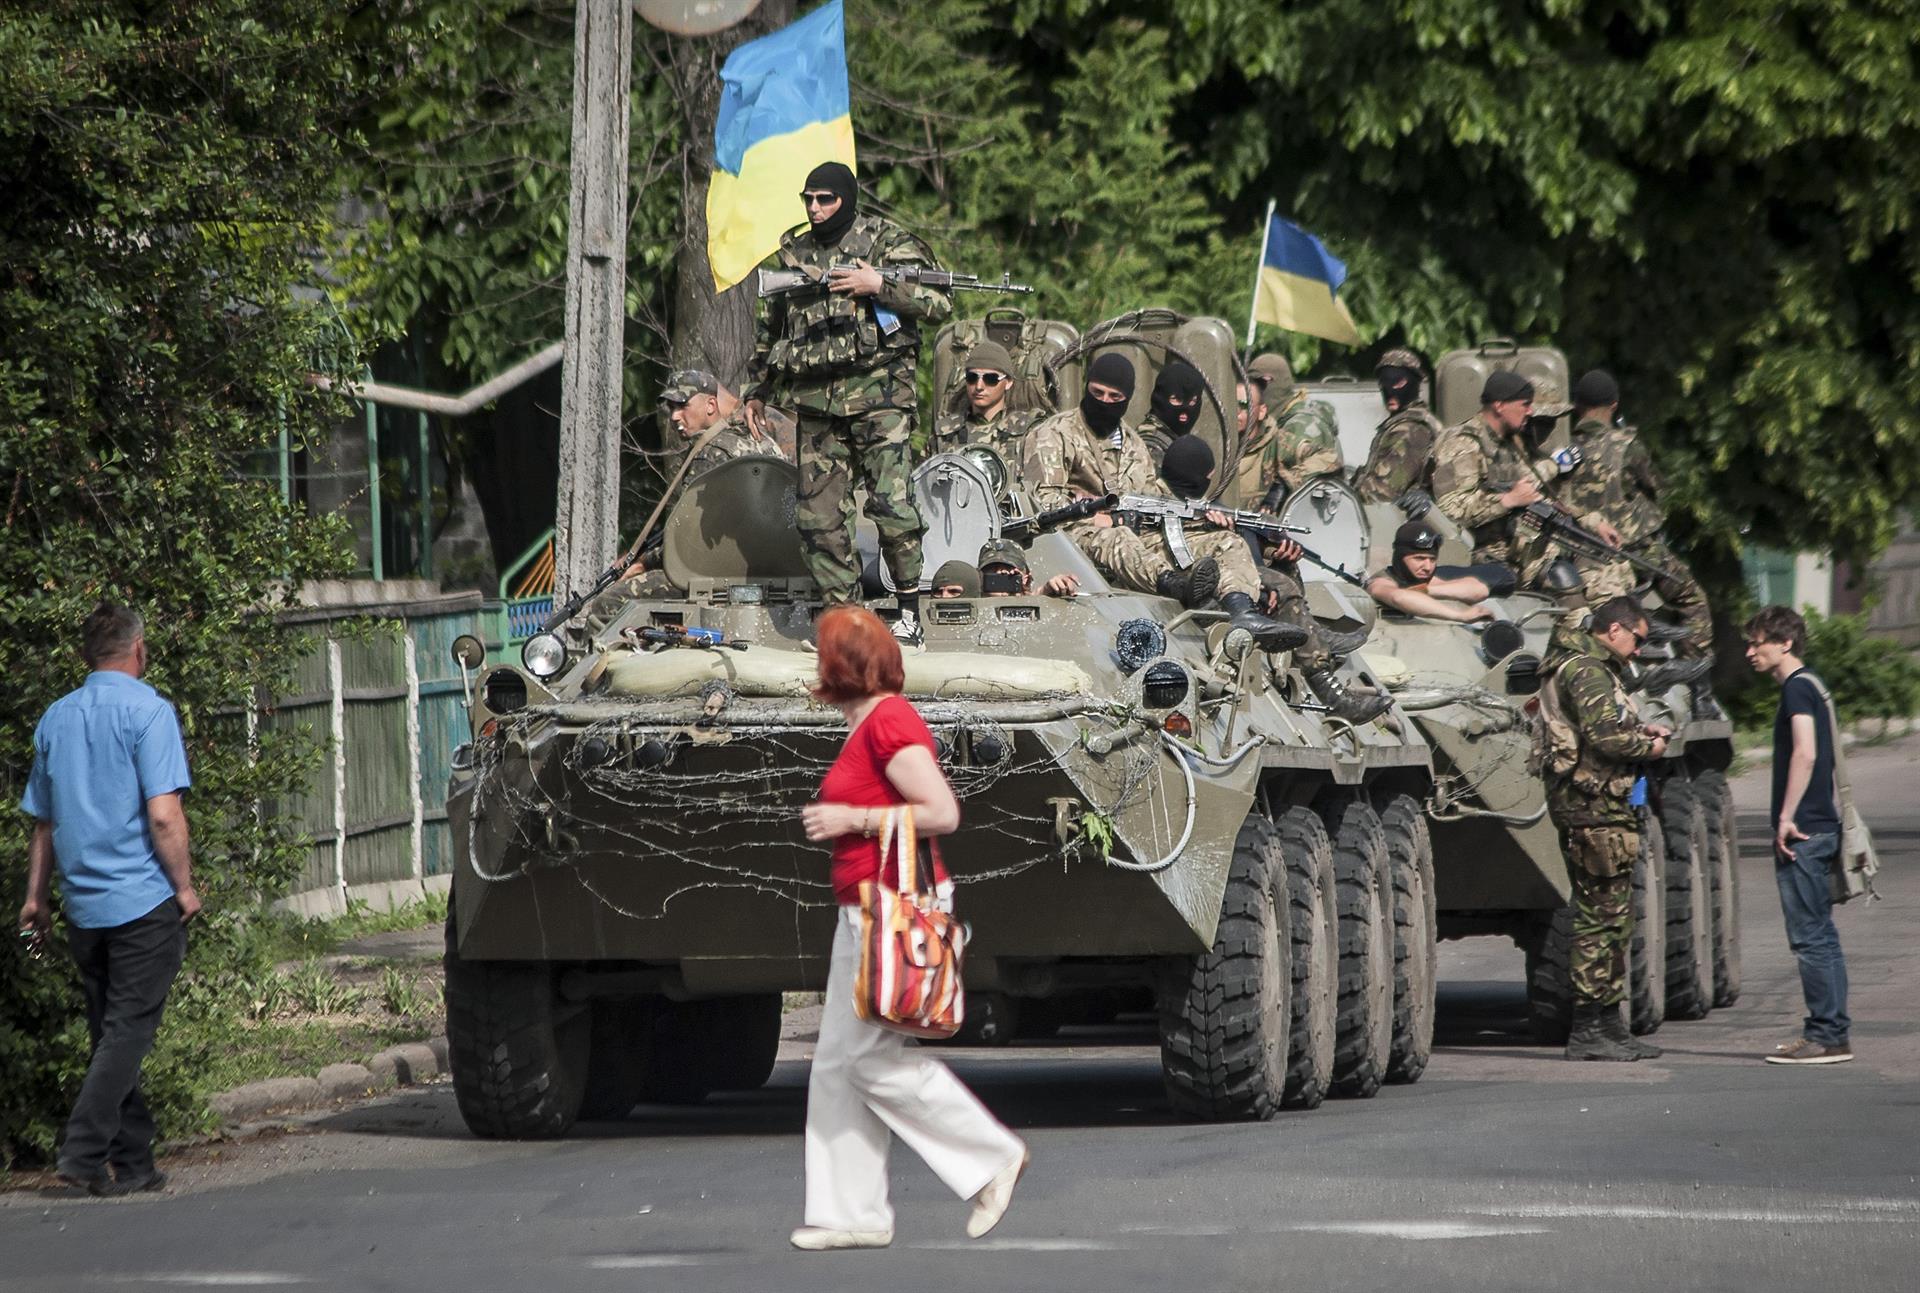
[1503, 385]
[1596, 390]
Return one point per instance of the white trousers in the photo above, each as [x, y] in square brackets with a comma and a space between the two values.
[869, 1084]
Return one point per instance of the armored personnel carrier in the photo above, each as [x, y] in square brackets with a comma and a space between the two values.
[1151, 805]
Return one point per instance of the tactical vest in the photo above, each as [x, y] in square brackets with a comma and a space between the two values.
[817, 333]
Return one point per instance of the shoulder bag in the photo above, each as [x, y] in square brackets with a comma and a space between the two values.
[1855, 865]
[909, 977]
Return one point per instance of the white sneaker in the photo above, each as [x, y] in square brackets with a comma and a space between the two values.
[991, 1203]
[820, 1239]
[906, 630]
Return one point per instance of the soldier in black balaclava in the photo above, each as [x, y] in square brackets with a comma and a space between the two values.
[1175, 404]
[1187, 467]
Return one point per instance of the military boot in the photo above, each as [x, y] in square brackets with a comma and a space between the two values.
[1194, 586]
[1349, 706]
[1670, 673]
[1589, 1039]
[1269, 634]
[1614, 1025]
[1342, 645]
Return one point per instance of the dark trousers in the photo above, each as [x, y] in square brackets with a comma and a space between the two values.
[125, 971]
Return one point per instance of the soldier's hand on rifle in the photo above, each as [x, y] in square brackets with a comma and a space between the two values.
[1608, 535]
[1220, 519]
[1284, 551]
[864, 281]
[757, 416]
[1520, 493]
[1659, 747]
[1101, 520]
[1568, 458]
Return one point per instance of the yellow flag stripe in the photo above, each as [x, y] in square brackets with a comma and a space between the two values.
[1301, 304]
[747, 213]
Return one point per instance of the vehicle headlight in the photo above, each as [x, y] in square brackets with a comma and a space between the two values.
[1165, 685]
[991, 466]
[544, 655]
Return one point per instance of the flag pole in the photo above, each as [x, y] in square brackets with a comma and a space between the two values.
[1253, 310]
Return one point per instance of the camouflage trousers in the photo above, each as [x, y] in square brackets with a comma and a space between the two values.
[869, 451]
[1600, 860]
[1134, 560]
[1286, 601]
[1679, 590]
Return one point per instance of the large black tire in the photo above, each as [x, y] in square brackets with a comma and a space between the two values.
[1723, 839]
[718, 1044]
[1416, 952]
[1647, 956]
[518, 1052]
[1683, 821]
[1363, 1041]
[1224, 1022]
[616, 1057]
[1549, 947]
[1314, 921]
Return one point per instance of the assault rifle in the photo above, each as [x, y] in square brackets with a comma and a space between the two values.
[1023, 527]
[1557, 526]
[1174, 513]
[779, 282]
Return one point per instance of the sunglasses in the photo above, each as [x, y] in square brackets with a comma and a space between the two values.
[988, 380]
[819, 199]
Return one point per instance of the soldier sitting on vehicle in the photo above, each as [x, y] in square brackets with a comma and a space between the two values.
[988, 419]
[1176, 405]
[1401, 456]
[1298, 438]
[1414, 583]
[1484, 471]
[696, 403]
[1089, 450]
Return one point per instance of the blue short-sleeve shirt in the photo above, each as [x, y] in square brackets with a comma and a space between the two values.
[98, 755]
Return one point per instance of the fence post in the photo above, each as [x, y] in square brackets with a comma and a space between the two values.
[418, 800]
[336, 690]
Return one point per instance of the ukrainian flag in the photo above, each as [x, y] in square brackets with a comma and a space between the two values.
[783, 111]
[1298, 285]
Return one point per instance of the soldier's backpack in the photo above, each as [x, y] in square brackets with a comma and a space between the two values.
[1555, 748]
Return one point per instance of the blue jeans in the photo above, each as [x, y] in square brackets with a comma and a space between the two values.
[1808, 906]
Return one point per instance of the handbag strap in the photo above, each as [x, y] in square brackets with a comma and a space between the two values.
[898, 839]
[1842, 787]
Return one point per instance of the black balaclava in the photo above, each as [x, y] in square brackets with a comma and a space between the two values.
[1399, 387]
[1110, 369]
[1187, 466]
[835, 177]
[1179, 380]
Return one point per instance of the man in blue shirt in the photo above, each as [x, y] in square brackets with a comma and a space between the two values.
[1805, 821]
[108, 772]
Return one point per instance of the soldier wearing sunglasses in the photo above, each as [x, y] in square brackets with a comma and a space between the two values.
[988, 416]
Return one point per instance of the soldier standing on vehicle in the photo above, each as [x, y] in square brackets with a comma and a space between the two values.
[1175, 405]
[1594, 742]
[1300, 437]
[1089, 450]
[988, 418]
[1617, 479]
[846, 354]
[1484, 471]
[1401, 456]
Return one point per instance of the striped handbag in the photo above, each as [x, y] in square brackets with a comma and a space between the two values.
[909, 979]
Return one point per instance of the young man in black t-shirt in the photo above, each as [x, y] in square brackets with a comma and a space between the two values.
[1805, 820]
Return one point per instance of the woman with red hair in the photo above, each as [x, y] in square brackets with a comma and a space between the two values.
[867, 1084]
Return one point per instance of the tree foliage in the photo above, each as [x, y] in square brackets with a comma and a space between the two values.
[169, 183]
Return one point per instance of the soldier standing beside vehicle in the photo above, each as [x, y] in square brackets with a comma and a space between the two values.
[1484, 472]
[846, 354]
[1594, 740]
[1401, 456]
[1300, 437]
[988, 418]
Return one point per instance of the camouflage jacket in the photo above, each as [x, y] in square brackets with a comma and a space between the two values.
[1002, 433]
[1156, 435]
[1472, 466]
[1065, 459]
[1616, 480]
[733, 440]
[1306, 444]
[1401, 456]
[1609, 733]
[832, 353]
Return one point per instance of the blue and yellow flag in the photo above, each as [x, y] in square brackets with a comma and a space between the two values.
[1299, 284]
[783, 111]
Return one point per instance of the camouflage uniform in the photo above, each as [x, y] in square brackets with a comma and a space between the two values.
[1294, 443]
[851, 384]
[1002, 433]
[1616, 479]
[1066, 459]
[1473, 465]
[1401, 456]
[1599, 828]
[734, 439]
[1156, 436]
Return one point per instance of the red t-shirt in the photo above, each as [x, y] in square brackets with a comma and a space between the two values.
[859, 777]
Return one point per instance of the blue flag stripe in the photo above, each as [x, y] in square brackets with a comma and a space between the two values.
[1292, 250]
[782, 83]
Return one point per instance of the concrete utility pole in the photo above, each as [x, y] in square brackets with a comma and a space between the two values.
[587, 517]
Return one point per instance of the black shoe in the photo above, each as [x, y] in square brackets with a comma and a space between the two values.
[1589, 1040]
[1342, 644]
[1614, 1025]
[137, 1183]
[1268, 634]
[1671, 673]
[92, 1182]
[1349, 706]
[1194, 586]
[1661, 631]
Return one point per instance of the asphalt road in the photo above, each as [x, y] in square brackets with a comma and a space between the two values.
[1505, 1168]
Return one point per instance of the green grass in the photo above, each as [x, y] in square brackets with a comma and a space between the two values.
[301, 938]
[301, 1048]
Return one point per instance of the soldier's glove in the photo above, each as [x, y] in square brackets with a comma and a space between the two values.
[1568, 458]
[1416, 503]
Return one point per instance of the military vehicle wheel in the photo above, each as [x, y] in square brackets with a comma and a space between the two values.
[518, 1052]
[1224, 1023]
[1647, 955]
[616, 1057]
[990, 1019]
[1683, 820]
[1415, 953]
[1041, 1017]
[1364, 1036]
[1724, 844]
[1549, 948]
[717, 1044]
[1314, 921]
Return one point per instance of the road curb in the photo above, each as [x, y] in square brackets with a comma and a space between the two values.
[408, 1064]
